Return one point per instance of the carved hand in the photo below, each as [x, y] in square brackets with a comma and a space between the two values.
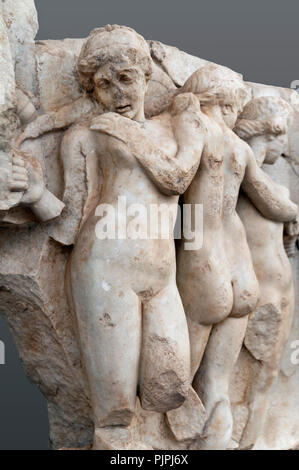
[27, 176]
[115, 125]
[187, 120]
[291, 233]
[19, 176]
[185, 102]
[291, 229]
[35, 179]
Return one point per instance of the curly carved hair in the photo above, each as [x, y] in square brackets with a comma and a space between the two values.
[112, 44]
[265, 115]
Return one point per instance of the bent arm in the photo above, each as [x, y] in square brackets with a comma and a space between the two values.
[172, 175]
[267, 196]
[56, 120]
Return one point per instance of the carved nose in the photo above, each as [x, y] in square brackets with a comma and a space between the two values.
[119, 93]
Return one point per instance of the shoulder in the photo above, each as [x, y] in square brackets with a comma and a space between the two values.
[77, 132]
[240, 144]
[78, 138]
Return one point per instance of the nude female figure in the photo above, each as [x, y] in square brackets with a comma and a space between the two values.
[131, 323]
[217, 283]
[264, 125]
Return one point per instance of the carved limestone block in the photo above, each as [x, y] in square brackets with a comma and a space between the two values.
[104, 327]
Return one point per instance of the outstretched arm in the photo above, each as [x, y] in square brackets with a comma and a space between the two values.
[267, 196]
[63, 118]
[172, 175]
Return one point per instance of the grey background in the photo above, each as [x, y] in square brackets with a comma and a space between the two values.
[258, 38]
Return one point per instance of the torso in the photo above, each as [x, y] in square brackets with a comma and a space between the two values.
[265, 240]
[217, 184]
[221, 272]
[146, 264]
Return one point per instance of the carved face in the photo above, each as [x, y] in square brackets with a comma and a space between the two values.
[276, 145]
[269, 147]
[121, 89]
[230, 114]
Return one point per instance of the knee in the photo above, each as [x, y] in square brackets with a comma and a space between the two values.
[164, 392]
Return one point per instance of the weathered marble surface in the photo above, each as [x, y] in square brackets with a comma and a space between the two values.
[8, 115]
[33, 256]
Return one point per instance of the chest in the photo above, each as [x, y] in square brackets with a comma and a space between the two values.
[223, 156]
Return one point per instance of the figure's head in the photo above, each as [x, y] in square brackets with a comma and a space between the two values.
[216, 85]
[264, 124]
[115, 66]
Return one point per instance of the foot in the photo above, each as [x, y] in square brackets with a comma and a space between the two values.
[218, 429]
[187, 421]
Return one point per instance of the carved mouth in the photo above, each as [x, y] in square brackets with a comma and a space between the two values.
[123, 109]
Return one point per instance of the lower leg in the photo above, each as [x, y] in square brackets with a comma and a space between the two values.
[187, 421]
[213, 379]
[262, 381]
[165, 357]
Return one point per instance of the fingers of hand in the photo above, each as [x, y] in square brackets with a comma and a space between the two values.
[18, 186]
[17, 160]
[104, 124]
[19, 177]
[184, 102]
[19, 171]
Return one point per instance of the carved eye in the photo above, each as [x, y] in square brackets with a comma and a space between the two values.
[125, 78]
[103, 83]
[228, 108]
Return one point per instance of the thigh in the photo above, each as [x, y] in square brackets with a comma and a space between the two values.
[109, 325]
